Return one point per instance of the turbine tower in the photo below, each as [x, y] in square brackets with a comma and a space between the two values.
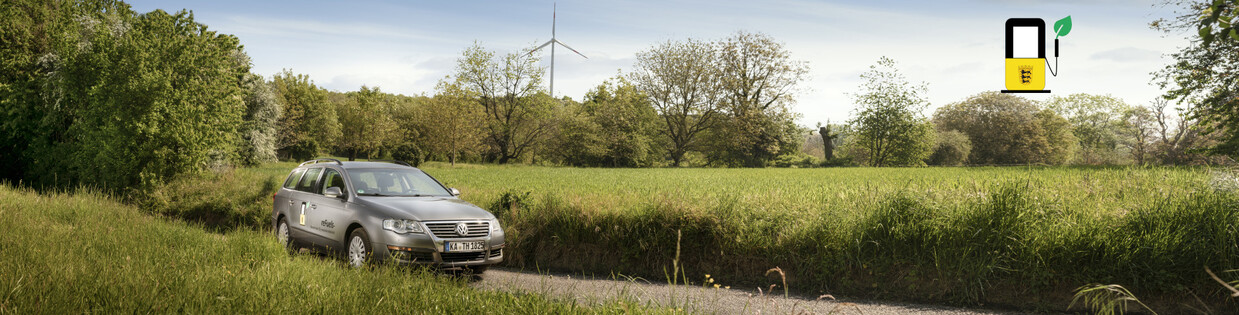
[551, 43]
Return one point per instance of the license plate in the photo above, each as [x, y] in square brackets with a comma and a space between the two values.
[463, 246]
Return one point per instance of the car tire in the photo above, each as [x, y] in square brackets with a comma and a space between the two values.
[358, 252]
[284, 236]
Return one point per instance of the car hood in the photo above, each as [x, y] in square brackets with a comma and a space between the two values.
[428, 208]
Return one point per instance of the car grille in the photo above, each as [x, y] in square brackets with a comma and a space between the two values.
[448, 229]
[462, 257]
[496, 253]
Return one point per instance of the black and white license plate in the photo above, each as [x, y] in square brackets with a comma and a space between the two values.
[471, 246]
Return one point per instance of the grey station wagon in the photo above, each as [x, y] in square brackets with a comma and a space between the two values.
[383, 211]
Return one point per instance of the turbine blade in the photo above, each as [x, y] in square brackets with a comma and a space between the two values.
[569, 48]
[540, 47]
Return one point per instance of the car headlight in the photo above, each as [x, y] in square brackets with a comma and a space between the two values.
[402, 226]
[494, 225]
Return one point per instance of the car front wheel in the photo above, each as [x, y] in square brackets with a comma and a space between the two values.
[358, 248]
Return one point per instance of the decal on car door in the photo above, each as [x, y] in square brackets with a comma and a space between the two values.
[302, 214]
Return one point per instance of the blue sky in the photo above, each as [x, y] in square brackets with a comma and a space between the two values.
[957, 47]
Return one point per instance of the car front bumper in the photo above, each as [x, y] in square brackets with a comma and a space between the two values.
[419, 248]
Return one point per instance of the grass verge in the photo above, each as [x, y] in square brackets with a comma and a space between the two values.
[85, 253]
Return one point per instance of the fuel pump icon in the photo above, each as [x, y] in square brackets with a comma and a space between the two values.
[1026, 63]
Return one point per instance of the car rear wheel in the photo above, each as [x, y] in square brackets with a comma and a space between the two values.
[358, 248]
[283, 236]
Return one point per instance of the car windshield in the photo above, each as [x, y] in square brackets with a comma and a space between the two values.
[395, 183]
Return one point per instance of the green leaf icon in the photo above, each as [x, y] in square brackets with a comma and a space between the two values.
[1063, 26]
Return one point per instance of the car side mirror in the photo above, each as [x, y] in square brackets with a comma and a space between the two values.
[332, 192]
[453, 191]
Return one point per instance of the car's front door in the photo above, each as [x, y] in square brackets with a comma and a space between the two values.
[327, 217]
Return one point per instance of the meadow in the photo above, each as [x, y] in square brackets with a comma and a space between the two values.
[1008, 237]
[84, 252]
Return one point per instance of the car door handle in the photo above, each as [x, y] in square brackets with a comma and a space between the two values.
[313, 206]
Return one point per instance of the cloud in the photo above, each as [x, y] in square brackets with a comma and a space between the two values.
[316, 29]
[1127, 54]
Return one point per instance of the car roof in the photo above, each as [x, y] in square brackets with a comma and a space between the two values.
[353, 165]
[356, 164]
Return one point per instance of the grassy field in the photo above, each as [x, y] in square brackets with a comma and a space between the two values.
[1015, 236]
[1023, 237]
[84, 253]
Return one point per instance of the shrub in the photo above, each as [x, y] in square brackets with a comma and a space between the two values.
[951, 150]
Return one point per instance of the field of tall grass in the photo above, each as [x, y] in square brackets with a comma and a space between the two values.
[1020, 237]
[1023, 237]
[83, 252]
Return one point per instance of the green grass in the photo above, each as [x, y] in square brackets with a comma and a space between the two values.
[1015, 236]
[84, 253]
[1023, 237]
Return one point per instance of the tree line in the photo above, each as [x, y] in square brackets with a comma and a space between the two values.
[94, 93]
[991, 128]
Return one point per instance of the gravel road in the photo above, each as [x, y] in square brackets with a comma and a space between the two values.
[696, 299]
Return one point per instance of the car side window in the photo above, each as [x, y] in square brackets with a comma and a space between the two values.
[309, 180]
[292, 178]
[332, 178]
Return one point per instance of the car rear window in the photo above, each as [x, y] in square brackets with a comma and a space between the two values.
[308, 181]
[292, 178]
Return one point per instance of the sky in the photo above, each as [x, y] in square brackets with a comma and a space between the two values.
[957, 47]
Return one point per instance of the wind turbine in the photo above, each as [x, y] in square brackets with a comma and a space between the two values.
[551, 43]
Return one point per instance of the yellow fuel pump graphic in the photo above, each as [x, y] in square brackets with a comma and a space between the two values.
[1025, 74]
[1026, 63]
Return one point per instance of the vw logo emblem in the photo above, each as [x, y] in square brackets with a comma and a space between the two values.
[462, 229]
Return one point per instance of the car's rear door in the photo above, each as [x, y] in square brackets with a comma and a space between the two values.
[283, 201]
[299, 206]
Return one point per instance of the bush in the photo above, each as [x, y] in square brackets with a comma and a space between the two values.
[222, 201]
[140, 98]
[951, 150]
[799, 159]
[407, 152]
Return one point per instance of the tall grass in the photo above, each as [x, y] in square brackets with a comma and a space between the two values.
[1021, 237]
[1016, 236]
[84, 253]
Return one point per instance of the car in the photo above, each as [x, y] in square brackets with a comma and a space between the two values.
[378, 211]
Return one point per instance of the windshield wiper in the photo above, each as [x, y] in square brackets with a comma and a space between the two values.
[374, 194]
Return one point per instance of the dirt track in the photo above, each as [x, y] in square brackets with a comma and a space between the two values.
[695, 299]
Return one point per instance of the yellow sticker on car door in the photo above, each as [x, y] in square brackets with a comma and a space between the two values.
[303, 213]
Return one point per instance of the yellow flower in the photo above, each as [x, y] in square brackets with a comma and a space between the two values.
[716, 285]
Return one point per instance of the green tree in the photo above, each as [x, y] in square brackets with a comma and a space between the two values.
[508, 89]
[759, 80]
[889, 127]
[452, 121]
[33, 36]
[616, 126]
[1204, 77]
[1007, 129]
[309, 125]
[260, 123]
[366, 123]
[1137, 132]
[410, 114]
[140, 97]
[682, 82]
[1096, 122]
